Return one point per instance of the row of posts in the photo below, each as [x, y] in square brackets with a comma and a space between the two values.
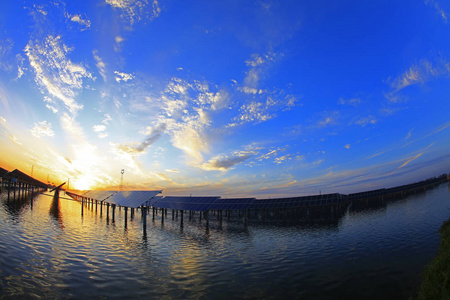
[90, 203]
[19, 190]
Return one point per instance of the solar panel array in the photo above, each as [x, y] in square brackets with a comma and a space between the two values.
[295, 202]
[232, 203]
[367, 194]
[98, 195]
[186, 203]
[132, 198]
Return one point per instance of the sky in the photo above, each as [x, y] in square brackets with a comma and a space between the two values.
[226, 98]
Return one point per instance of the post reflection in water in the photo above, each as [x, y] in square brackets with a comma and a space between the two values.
[374, 252]
[55, 210]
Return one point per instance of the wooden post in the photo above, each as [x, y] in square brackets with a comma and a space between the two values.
[107, 211]
[181, 222]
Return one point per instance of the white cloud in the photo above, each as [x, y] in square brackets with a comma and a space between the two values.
[255, 112]
[271, 153]
[123, 76]
[99, 128]
[80, 20]
[42, 129]
[55, 73]
[101, 66]
[136, 10]
[280, 160]
[52, 108]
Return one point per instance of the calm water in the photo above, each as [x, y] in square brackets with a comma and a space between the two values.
[49, 250]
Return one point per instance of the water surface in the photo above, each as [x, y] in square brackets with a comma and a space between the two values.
[48, 249]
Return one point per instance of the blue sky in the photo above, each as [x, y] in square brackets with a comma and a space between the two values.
[231, 98]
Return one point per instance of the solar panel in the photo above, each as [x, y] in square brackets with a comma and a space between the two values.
[232, 203]
[132, 198]
[186, 203]
[99, 195]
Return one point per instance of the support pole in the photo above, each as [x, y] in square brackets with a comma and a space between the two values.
[126, 212]
[113, 212]
[144, 219]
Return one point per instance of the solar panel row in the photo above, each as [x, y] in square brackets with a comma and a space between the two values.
[149, 198]
[186, 203]
[132, 198]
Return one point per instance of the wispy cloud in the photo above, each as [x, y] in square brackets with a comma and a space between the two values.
[107, 119]
[366, 121]
[135, 148]
[409, 134]
[42, 129]
[351, 101]
[410, 160]
[134, 11]
[14, 139]
[328, 118]
[439, 10]
[5, 49]
[417, 74]
[101, 66]
[55, 73]
[258, 65]
[224, 163]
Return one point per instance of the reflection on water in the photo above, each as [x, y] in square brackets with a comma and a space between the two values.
[50, 249]
[55, 210]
